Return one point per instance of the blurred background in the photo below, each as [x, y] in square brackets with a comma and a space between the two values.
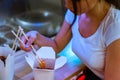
[45, 16]
[15, 7]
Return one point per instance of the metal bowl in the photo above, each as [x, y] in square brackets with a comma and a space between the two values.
[45, 22]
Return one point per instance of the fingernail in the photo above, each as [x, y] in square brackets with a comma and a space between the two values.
[27, 45]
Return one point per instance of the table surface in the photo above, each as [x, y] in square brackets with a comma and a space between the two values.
[24, 72]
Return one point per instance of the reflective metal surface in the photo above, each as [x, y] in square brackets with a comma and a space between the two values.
[46, 22]
[6, 37]
[44, 16]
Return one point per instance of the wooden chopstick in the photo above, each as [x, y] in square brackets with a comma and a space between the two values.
[22, 41]
[17, 36]
[42, 63]
[14, 47]
[27, 39]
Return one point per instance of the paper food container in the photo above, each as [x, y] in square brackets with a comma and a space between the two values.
[7, 68]
[44, 53]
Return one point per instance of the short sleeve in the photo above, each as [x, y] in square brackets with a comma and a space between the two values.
[112, 33]
[69, 16]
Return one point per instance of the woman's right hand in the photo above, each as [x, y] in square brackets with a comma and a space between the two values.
[32, 37]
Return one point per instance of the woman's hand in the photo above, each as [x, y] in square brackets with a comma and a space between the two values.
[58, 43]
[32, 37]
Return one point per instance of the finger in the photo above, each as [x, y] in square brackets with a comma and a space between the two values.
[30, 42]
[23, 39]
[23, 44]
[36, 46]
[27, 49]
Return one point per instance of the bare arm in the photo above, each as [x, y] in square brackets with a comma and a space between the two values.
[60, 41]
[112, 63]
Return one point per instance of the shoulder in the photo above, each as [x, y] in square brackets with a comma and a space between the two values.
[113, 20]
[115, 14]
[112, 31]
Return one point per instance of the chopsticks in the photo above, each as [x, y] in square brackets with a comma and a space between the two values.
[27, 39]
[14, 46]
[20, 31]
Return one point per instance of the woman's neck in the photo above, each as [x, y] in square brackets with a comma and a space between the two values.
[99, 11]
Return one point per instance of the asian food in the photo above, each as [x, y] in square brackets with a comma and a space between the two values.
[2, 58]
[46, 64]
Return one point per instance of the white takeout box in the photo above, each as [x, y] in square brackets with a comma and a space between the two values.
[7, 69]
[42, 74]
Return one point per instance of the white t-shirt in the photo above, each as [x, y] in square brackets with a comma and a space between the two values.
[91, 50]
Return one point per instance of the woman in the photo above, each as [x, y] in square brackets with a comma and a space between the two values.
[93, 26]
